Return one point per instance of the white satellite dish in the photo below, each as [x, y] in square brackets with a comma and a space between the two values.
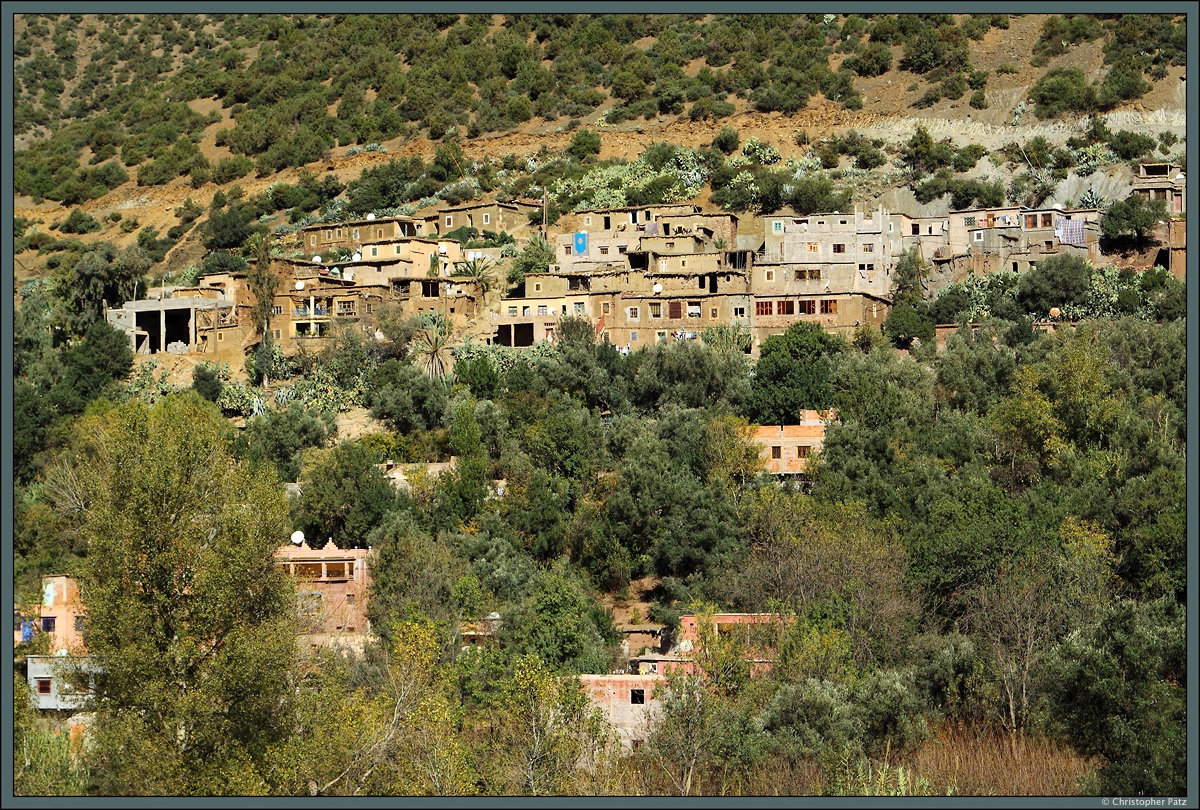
[357, 257]
[299, 285]
[317, 259]
[657, 288]
[370, 217]
[297, 537]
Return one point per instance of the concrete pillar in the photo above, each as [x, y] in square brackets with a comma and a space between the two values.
[162, 326]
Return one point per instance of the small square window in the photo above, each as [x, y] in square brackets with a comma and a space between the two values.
[802, 451]
[868, 247]
[978, 236]
[512, 310]
[769, 275]
[829, 306]
[637, 697]
[487, 219]
[537, 287]
[739, 312]
[47, 624]
[604, 308]
[633, 337]
[633, 313]
[43, 686]
[777, 227]
[712, 312]
[812, 247]
[839, 248]
[776, 451]
[449, 221]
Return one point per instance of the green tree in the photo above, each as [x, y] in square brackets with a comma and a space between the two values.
[1135, 217]
[793, 373]
[1117, 687]
[263, 284]
[90, 366]
[1057, 281]
[190, 625]
[279, 436]
[537, 257]
[343, 496]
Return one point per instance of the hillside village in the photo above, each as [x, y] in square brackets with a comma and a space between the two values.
[626, 270]
[700, 423]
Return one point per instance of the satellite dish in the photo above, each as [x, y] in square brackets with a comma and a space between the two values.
[297, 537]
[317, 259]
[657, 288]
[370, 217]
[357, 257]
[299, 285]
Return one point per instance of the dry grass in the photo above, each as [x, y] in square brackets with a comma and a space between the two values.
[967, 762]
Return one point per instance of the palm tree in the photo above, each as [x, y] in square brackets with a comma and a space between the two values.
[483, 270]
[432, 348]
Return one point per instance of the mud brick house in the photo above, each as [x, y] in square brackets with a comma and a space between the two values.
[1162, 181]
[354, 235]
[510, 217]
[990, 240]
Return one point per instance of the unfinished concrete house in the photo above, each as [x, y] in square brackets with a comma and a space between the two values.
[191, 321]
[53, 678]
[631, 703]
[331, 593]
[787, 449]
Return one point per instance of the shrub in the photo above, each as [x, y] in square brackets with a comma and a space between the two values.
[585, 142]
[1062, 90]
[1131, 145]
[726, 140]
[872, 59]
[232, 168]
[79, 222]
